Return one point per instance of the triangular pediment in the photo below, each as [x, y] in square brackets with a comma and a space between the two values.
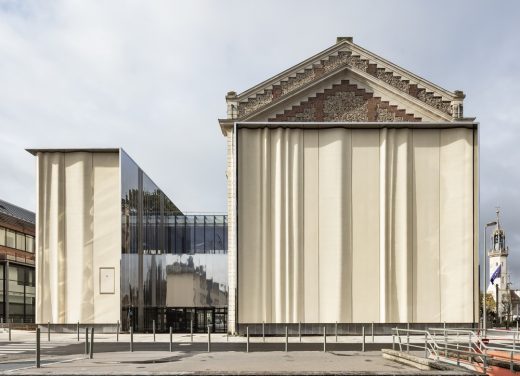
[345, 102]
[334, 76]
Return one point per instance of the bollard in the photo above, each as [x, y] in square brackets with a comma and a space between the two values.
[458, 355]
[470, 347]
[336, 331]
[286, 338]
[191, 331]
[263, 331]
[91, 343]
[324, 339]
[445, 345]
[117, 331]
[247, 335]
[48, 331]
[37, 347]
[209, 339]
[9, 326]
[425, 345]
[407, 337]
[363, 335]
[153, 329]
[393, 341]
[77, 330]
[372, 332]
[86, 341]
[171, 334]
[300, 330]
[131, 338]
[227, 336]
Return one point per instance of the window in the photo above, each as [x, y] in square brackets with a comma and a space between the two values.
[29, 243]
[10, 239]
[20, 241]
[2, 236]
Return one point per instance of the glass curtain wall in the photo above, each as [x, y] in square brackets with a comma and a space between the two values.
[17, 282]
[173, 266]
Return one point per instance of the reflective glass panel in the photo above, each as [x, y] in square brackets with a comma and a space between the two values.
[20, 241]
[29, 242]
[10, 238]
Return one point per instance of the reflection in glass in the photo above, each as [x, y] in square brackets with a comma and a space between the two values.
[173, 266]
[19, 283]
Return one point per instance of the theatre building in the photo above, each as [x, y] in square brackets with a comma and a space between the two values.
[112, 247]
[17, 282]
[352, 197]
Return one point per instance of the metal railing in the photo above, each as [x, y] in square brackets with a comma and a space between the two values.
[463, 347]
[501, 348]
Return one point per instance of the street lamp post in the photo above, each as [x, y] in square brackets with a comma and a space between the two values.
[484, 315]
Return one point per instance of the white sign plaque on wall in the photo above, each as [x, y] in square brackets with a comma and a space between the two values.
[107, 280]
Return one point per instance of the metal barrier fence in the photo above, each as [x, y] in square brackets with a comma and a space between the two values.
[462, 347]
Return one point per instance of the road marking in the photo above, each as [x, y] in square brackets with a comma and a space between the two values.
[44, 364]
[18, 348]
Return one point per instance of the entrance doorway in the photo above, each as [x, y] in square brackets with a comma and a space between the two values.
[180, 319]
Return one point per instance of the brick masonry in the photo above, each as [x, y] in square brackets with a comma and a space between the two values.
[345, 102]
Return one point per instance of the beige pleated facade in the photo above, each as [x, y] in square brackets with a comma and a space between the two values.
[355, 225]
[79, 227]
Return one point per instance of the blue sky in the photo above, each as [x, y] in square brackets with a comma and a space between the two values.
[151, 77]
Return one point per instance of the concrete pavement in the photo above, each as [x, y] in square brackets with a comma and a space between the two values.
[228, 363]
[64, 354]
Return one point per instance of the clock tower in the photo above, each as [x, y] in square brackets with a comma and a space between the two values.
[498, 278]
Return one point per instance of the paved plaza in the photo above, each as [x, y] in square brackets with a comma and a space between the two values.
[64, 354]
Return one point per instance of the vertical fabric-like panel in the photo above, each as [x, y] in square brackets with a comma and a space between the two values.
[426, 225]
[365, 225]
[286, 205]
[250, 294]
[265, 226]
[355, 225]
[456, 225]
[106, 252]
[278, 223]
[270, 262]
[396, 224]
[311, 227]
[38, 248]
[295, 213]
[476, 195]
[79, 234]
[51, 237]
[335, 258]
[76, 216]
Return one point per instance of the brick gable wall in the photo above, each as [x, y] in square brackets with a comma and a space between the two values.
[345, 102]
